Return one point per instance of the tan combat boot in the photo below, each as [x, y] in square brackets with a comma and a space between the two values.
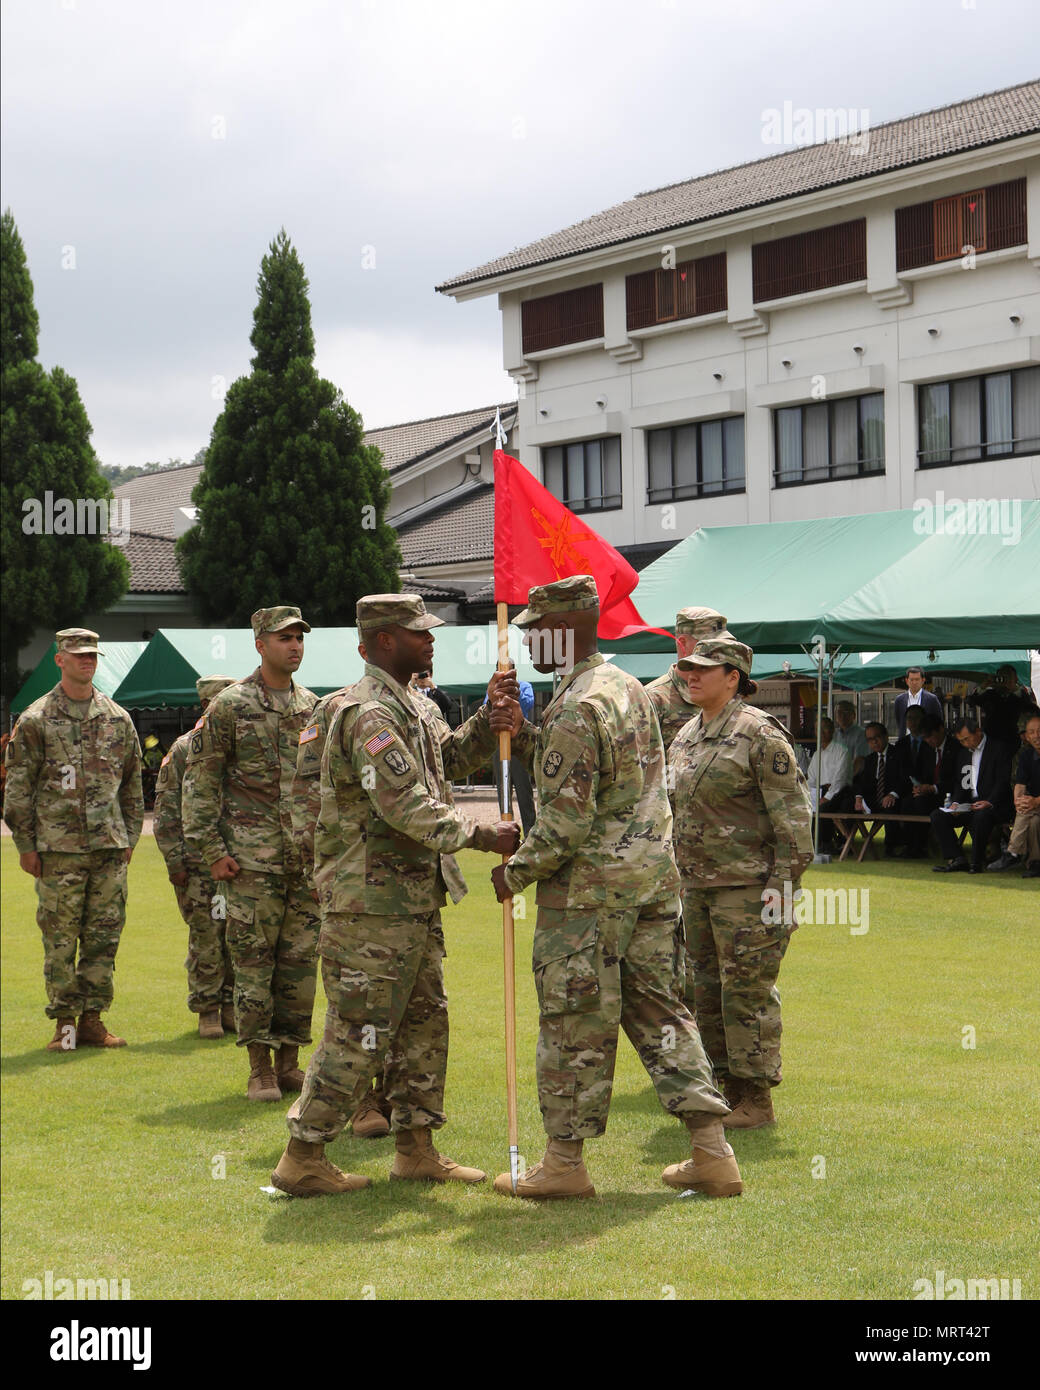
[93, 1033]
[304, 1171]
[370, 1120]
[262, 1083]
[64, 1039]
[227, 1018]
[288, 1073]
[712, 1169]
[417, 1160]
[755, 1110]
[561, 1173]
[210, 1025]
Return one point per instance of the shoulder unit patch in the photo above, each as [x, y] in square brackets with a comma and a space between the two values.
[781, 764]
[552, 764]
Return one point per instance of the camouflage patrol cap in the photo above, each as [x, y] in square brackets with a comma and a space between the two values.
[210, 686]
[698, 622]
[394, 610]
[718, 651]
[575, 594]
[77, 641]
[274, 619]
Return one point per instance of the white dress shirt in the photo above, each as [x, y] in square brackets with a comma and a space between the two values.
[976, 759]
[835, 768]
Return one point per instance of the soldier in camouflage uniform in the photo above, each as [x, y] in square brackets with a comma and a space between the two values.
[211, 976]
[742, 831]
[75, 809]
[383, 854]
[607, 935]
[371, 1120]
[669, 693]
[237, 812]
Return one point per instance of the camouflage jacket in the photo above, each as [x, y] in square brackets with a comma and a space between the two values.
[169, 831]
[306, 796]
[237, 791]
[742, 812]
[603, 836]
[388, 826]
[670, 696]
[73, 785]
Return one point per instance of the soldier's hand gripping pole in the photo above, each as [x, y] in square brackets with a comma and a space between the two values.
[505, 808]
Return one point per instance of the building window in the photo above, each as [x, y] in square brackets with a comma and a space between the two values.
[697, 460]
[558, 319]
[586, 477]
[829, 440]
[692, 288]
[987, 219]
[979, 417]
[809, 261]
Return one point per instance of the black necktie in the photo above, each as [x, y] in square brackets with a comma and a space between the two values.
[880, 777]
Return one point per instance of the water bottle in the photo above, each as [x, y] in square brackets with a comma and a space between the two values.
[948, 802]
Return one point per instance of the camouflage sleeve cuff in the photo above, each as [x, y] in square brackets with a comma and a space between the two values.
[22, 845]
[515, 881]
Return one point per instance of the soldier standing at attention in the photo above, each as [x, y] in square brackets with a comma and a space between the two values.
[606, 940]
[236, 807]
[75, 810]
[669, 693]
[211, 976]
[371, 1120]
[742, 831]
[383, 851]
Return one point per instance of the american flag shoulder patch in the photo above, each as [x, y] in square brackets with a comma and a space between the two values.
[379, 741]
[307, 734]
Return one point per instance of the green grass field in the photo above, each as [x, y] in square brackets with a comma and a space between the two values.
[925, 1148]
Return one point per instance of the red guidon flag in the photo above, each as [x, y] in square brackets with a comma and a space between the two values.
[537, 541]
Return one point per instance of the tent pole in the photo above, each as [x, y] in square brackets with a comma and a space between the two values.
[819, 748]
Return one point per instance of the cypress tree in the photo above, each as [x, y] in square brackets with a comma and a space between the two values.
[290, 502]
[57, 568]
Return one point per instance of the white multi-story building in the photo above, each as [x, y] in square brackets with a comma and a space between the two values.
[843, 328]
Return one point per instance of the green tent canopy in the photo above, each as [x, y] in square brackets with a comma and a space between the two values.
[885, 581]
[117, 660]
[165, 674]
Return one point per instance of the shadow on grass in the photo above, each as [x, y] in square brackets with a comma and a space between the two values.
[488, 1224]
[14, 1064]
[220, 1113]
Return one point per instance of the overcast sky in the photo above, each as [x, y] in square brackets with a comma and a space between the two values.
[166, 143]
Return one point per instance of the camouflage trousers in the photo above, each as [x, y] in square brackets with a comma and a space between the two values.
[733, 960]
[596, 972]
[81, 901]
[272, 937]
[387, 1016]
[211, 976]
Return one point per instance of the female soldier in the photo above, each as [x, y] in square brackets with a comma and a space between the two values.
[742, 835]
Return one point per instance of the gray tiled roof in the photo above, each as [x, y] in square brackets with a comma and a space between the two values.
[407, 443]
[972, 124]
[465, 532]
[153, 565]
[155, 497]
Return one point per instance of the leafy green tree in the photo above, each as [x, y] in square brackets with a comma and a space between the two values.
[58, 564]
[291, 501]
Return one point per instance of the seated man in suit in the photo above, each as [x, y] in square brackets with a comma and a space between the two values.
[1025, 834]
[915, 694]
[928, 796]
[883, 783]
[984, 786]
[917, 757]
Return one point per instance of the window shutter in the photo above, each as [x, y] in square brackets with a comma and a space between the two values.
[686, 289]
[973, 220]
[711, 284]
[947, 223]
[640, 299]
[915, 236]
[1005, 215]
[664, 289]
[558, 319]
[810, 261]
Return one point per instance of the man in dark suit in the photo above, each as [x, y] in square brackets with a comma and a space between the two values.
[882, 783]
[917, 759]
[915, 694]
[984, 785]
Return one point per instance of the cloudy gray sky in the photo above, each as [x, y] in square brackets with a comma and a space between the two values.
[152, 149]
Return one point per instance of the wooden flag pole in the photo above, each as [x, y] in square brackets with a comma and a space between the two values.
[505, 806]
